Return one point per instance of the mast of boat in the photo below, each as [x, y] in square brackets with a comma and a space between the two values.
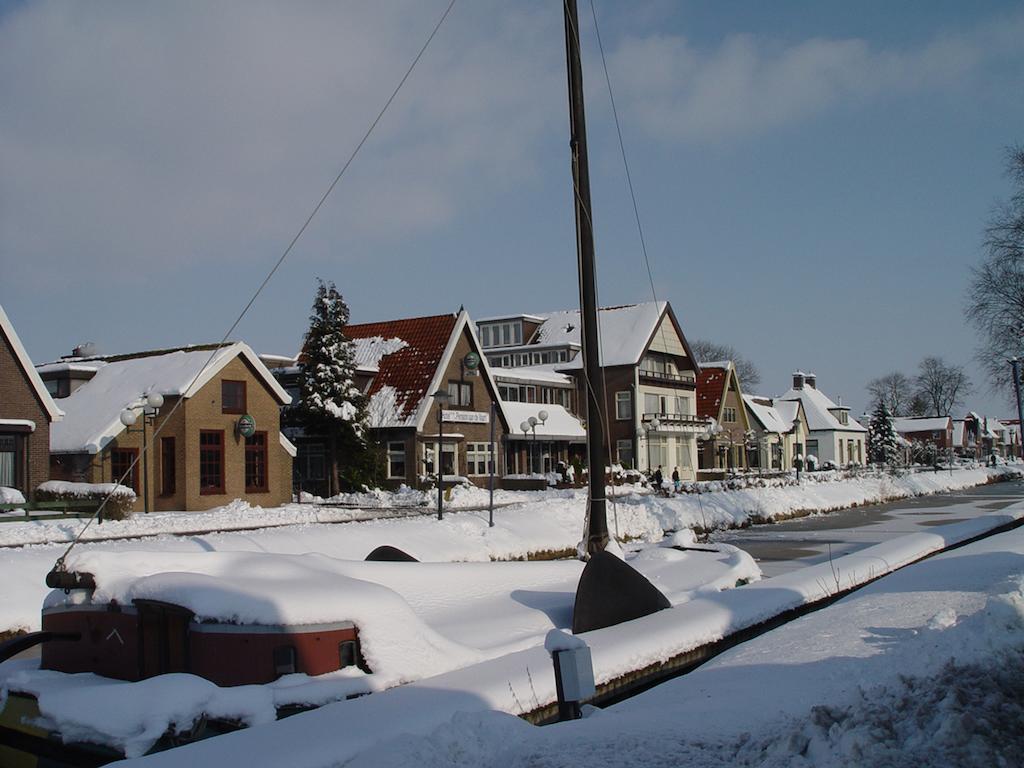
[597, 527]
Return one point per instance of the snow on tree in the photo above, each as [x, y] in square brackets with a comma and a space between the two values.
[332, 405]
[883, 442]
[328, 380]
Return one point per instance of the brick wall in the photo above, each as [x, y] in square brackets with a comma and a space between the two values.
[18, 400]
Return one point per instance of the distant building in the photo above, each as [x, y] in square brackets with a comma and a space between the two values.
[400, 364]
[27, 412]
[719, 397]
[223, 443]
[780, 431]
[931, 430]
[833, 435]
[649, 375]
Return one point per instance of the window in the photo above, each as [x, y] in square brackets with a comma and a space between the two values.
[729, 415]
[844, 417]
[812, 448]
[168, 477]
[396, 461]
[256, 463]
[120, 460]
[623, 406]
[624, 453]
[652, 403]
[684, 459]
[9, 463]
[448, 455]
[508, 393]
[285, 660]
[232, 396]
[310, 464]
[211, 461]
[460, 393]
[478, 459]
[657, 446]
[348, 654]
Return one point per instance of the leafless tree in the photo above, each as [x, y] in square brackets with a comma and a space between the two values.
[941, 385]
[995, 298]
[709, 351]
[895, 391]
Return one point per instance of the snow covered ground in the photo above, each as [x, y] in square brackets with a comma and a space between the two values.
[639, 510]
[921, 668]
[415, 620]
[540, 522]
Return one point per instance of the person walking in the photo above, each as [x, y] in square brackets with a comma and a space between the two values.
[658, 479]
[677, 484]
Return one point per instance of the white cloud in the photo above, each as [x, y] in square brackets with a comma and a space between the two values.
[164, 133]
[676, 90]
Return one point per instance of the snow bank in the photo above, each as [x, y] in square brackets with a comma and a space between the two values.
[845, 686]
[66, 489]
[11, 496]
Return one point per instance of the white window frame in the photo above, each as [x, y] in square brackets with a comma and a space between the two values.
[625, 445]
[623, 398]
[478, 456]
[727, 412]
[393, 453]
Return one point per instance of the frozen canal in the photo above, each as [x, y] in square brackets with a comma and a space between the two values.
[793, 544]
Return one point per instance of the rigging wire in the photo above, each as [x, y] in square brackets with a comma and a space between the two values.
[629, 182]
[59, 565]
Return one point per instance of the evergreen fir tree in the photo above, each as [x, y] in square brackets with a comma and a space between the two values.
[331, 404]
[883, 443]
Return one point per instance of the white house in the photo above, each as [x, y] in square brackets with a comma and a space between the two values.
[833, 435]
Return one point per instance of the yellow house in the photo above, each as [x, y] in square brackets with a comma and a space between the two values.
[189, 428]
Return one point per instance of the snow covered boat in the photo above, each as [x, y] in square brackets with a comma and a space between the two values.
[159, 648]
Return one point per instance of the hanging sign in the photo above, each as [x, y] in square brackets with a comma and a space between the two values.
[466, 417]
[246, 426]
[471, 364]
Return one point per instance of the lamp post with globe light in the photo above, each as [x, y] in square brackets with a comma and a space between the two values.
[149, 405]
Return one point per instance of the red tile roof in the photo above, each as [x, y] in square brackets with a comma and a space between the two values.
[711, 384]
[411, 369]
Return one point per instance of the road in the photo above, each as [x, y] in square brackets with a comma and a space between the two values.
[793, 544]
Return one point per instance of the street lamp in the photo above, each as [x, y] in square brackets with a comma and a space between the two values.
[650, 426]
[150, 405]
[441, 397]
[530, 426]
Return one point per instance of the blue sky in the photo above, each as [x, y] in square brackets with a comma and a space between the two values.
[813, 178]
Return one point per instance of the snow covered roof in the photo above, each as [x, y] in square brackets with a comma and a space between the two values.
[817, 407]
[560, 424]
[7, 329]
[93, 411]
[499, 318]
[765, 412]
[539, 373]
[406, 355]
[921, 424]
[370, 349]
[625, 331]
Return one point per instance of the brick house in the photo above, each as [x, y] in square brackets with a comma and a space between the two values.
[719, 397]
[648, 369]
[222, 443]
[933, 430]
[399, 365]
[27, 412]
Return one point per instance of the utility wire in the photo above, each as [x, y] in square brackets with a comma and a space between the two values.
[629, 182]
[59, 565]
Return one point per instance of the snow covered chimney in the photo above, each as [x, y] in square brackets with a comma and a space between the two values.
[798, 380]
[88, 349]
[812, 381]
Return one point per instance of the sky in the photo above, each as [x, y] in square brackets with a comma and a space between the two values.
[813, 179]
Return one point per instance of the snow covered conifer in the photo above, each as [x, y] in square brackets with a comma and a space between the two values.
[883, 443]
[331, 403]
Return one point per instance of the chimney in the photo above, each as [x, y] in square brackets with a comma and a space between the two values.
[798, 380]
[88, 349]
[812, 381]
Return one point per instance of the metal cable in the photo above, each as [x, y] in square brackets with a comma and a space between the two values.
[59, 565]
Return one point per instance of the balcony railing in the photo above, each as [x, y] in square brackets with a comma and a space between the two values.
[675, 378]
[677, 420]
